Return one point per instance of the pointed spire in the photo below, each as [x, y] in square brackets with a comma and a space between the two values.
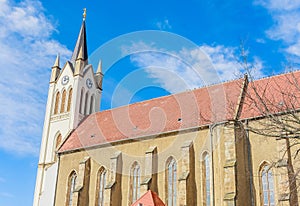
[99, 75]
[55, 70]
[57, 61]
[99, 69]
[80, 50]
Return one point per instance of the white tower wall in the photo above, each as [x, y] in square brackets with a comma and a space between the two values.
[76, 75]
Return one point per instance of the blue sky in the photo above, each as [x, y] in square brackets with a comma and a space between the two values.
[33, 32]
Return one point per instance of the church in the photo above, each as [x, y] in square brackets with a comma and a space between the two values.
[213, 146]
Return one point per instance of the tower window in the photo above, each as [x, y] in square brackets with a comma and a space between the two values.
[81, 102]
[63, 101]
[56, 103]
[92, 104]
[86, 103]
[69, 100]
[171, 180]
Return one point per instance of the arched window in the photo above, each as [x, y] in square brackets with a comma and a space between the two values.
[86, 103]
[69, 100]
[206, 179]
[135, 181]
[81, 101]
[56, 103]
[100, 187]
[267, 186]
[171, 179]
[71, 188]
[92, 104]
[63, 101]
[57, 143]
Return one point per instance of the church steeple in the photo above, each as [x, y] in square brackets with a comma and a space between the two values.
[80, 53]
[81, 45]
[74, 93]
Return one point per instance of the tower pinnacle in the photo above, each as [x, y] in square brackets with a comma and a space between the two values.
[84, 14]
[57, 61]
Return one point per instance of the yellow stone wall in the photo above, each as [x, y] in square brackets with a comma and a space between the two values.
[232, 167]
[271, 150]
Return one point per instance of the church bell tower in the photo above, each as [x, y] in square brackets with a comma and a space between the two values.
[74, 92]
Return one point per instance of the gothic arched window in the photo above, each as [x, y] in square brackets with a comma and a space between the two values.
[206, 179]
[86, 103]
[81, 101]
[171, 180]
[56, 103]
[71, 188]
[57, 143]
[63, 101]
[101, 187]
[135, 181]
[267, 186]
[92, 104]
[69, 99]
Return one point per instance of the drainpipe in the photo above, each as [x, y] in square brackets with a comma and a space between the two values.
[211, 127]
[252, 195]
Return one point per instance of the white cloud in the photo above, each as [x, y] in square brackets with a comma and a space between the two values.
[279, 4]
[28, 53]
[286, 16]
[189, 68]
[294, 48]
[6, 195]
[262, 41]
[163, 25]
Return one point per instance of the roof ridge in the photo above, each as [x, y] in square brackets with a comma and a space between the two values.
[169, 95]
[276, 75]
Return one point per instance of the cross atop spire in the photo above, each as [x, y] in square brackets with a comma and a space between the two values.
[80, 50]
[84, 14]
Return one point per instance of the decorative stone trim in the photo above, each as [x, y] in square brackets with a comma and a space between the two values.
[146, 181]
[282, 163]
[58, 117]
[230, 163]
[184, 176]
[284, 197]
[229, 196]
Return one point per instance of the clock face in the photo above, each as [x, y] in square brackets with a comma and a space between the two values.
[89, 83]
[65, 80]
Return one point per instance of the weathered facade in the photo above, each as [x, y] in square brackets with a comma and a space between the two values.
[191, 148]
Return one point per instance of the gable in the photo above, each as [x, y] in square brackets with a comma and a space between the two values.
[149, 199]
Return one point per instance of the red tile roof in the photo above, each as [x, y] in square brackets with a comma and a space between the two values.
[149, 199]
[272, 95]
[185, 110]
